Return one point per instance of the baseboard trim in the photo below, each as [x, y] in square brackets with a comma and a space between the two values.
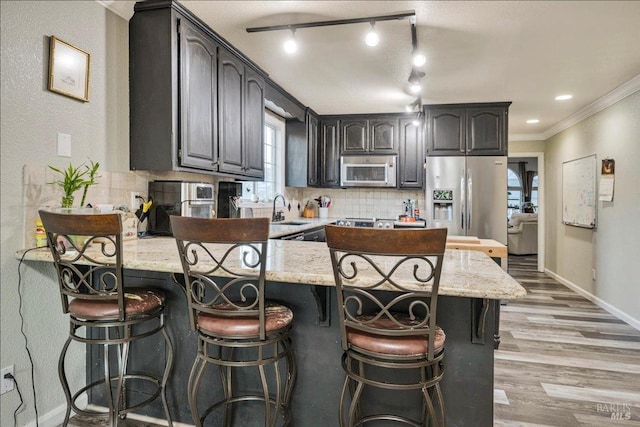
[145, 419]
[55, 417]
[597, 301]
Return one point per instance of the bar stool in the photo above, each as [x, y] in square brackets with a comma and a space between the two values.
[112, 315]
[387, 290]
[224, 280]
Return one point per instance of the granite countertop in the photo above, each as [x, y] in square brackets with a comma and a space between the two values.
[465, 273]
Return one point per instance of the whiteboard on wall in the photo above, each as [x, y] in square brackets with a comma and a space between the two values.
[579, 192]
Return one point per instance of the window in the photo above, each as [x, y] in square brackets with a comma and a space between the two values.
[274, 129]
[514, 190]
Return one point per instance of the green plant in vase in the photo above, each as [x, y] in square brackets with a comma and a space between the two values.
[73, 179]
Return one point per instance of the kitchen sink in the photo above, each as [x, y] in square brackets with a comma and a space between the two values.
[290, 223]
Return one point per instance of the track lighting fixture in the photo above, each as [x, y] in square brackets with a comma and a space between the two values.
[372, 39]
[291, 45]
[414, 80]
[414, 106]
[418, 57]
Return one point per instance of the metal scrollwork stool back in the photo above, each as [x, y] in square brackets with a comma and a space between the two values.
[387, 289]
[87, 251]
[224, 281]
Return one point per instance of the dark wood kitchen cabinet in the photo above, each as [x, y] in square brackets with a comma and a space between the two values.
[467, 129]
[411, 159]
[241, 98]
[329, 154]
[196, 103]
[383, 135]
[366, 135]
[198, 98]
[302, 151]
[354, 135]
[313, 149]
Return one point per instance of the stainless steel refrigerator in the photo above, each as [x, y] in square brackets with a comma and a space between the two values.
[468, 196]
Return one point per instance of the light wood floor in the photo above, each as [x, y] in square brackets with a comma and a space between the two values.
[563, 361]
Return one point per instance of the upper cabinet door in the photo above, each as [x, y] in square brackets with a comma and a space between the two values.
[231, 98]
[486, 131]
[354, 136]
[198, 99]
[446, 129]
[313, 149]
[411, 161]
[254, 125]
[383, 135]
[329, 154]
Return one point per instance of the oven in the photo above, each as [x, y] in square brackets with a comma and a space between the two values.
[379, 223]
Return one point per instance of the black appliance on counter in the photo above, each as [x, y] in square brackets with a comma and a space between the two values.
[193, 199]
[228, 194]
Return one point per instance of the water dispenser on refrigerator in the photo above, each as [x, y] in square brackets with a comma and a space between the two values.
[442, 209]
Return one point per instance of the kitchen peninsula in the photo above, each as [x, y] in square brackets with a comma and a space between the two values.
[300, 274]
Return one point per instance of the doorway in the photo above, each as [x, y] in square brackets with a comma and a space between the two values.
[535, 162]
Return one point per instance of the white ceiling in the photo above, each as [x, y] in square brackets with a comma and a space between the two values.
[526, 52]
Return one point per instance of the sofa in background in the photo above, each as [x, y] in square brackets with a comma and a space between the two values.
[522, 235]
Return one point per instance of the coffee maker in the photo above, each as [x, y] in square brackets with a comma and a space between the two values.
[229, 193]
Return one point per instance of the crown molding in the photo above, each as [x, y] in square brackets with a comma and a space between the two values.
[628, 88]
[526, 137]
[619, 93]
[123, 9]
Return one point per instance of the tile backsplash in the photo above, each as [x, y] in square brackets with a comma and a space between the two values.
[116, 187]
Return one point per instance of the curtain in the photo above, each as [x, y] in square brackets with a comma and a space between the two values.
[522, 167]
[528, 184]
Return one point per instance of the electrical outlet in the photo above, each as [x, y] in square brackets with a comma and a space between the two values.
[7, 383]
[135, 202]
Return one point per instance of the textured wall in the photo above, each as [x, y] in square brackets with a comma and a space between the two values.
[612, 248]
[31, 117]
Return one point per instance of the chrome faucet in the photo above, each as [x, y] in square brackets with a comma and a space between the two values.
[277, 216]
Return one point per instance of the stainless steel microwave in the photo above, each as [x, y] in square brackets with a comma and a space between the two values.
[368, 171]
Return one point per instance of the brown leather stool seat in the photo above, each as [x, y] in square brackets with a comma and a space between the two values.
[277, 318]
[403, 345]
[224, 266]
[113, 316]
[136, 303]
[387, 284]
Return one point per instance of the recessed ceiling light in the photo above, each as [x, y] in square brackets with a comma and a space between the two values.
[563, 97]
[531, 121]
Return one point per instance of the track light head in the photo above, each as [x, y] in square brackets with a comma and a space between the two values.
[418, 58]
[291, 45]
[372, 39]
[414, 106]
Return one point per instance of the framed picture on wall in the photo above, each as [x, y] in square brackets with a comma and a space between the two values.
[68, 70]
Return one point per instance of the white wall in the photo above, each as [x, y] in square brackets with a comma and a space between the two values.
[31, 116]
[613, 248]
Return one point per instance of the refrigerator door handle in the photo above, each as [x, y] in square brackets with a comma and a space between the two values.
[462, 199]
[469, 198]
